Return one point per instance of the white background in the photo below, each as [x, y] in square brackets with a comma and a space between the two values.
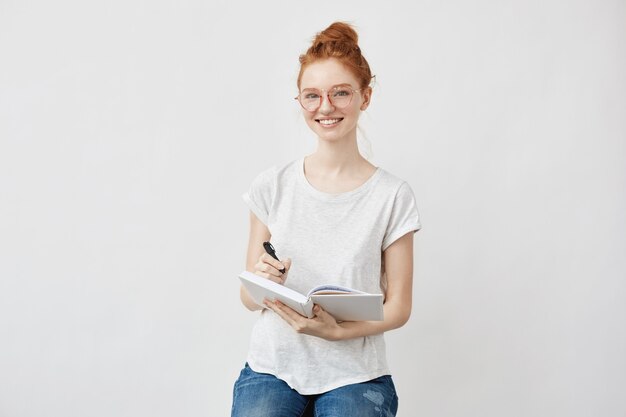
[129, 130]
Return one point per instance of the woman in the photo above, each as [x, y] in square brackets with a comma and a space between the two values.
[333, 217]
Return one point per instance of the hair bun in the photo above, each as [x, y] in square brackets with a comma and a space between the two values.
[339, 41]
[338, 32]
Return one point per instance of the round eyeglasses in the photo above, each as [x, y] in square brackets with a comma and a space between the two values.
[339, 96]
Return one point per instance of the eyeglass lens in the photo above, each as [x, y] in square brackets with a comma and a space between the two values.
[311, 98]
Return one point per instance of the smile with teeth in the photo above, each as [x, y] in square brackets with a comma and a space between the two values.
[329, 122]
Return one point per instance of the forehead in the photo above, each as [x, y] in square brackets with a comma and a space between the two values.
[325, 74]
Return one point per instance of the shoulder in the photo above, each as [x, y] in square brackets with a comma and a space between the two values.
[266, 187]
[402, 209]
[275, 172]
[393, 184]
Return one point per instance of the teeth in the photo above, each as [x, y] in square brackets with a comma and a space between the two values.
[329, 121]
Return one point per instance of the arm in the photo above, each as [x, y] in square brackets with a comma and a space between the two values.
[398, 258]
[259, 262]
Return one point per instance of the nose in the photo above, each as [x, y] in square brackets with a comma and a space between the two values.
[326, 106]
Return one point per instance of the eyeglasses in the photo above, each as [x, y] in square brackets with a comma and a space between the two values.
[339, 96]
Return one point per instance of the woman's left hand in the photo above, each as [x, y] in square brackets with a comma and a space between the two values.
[321, 325]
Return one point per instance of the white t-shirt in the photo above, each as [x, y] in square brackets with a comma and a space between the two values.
[331, 239]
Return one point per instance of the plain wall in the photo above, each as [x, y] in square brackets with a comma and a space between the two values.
[130, 129]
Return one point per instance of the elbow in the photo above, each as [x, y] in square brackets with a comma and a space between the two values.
[397, 313]
[247, 301]
[403, 317]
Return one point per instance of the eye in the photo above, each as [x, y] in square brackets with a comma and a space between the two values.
[341, 92]
[310, 95]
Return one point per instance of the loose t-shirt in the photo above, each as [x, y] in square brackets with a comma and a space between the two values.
[331, 239]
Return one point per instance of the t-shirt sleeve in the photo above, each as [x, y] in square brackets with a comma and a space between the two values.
[404, 216]
[260, 195]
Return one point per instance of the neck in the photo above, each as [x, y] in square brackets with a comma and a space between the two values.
[337, 155]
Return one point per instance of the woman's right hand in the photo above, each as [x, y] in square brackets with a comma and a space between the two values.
[260, 262]
[269, 268]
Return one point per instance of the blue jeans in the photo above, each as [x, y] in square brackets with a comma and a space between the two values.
[264, 395]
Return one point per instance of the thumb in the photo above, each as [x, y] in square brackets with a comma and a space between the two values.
[287, 264]
[320, 312]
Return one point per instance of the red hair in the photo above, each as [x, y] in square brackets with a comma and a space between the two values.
[341, 42]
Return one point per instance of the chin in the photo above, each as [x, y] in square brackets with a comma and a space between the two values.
[330, 136]
[335, 134]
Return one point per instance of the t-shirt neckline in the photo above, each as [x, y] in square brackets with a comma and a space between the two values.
[338, 196]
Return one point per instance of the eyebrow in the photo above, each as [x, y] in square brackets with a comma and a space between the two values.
[336, 85]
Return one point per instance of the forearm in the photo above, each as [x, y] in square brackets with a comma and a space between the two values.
[247, 301]
[396, 316]
[259, 233]
[398, 261]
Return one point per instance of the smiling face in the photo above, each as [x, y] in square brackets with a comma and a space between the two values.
[331, 122]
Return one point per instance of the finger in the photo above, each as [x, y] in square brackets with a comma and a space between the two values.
[277, 307]
[268, 271]
[269, 304]
[278, 280]
[292, 317]
[285, 309]
[267, 259]
[319, 311]
[322, 314]
[287, 263]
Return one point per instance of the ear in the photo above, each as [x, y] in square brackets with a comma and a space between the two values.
[366, 93]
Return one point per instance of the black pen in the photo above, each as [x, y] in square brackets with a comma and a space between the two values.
[270, 250]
